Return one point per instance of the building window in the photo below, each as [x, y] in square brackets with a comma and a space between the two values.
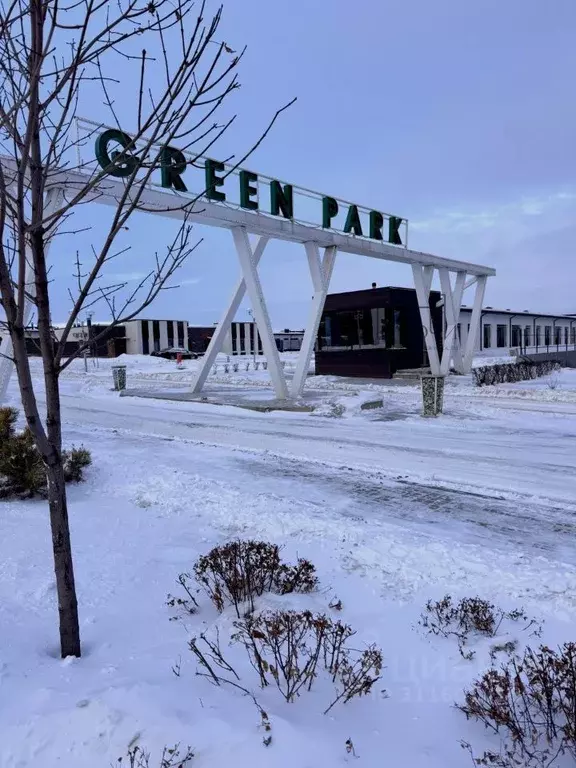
[397, 339]
[326, 332]
[557, 336]
[180, 328]
[487, 336]
[501, 335]
[459, 331]
[527, 336]
[379, 326]
[516, 336]
[573, 335]
[156, 335]
[145, 338]
[170, 328]
[547, 335]
[538, 335]
[566, 335]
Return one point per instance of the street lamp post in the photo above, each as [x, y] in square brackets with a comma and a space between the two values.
[255, 344]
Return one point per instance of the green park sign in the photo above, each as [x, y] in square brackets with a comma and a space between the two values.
[281, 196]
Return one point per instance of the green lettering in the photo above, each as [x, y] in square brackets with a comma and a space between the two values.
[118, 164]
[376, 224]
[211, 167]
[247, 178]
[281, 200]
[329, 210]
[393, 233]
[353, 221]
[172, 166]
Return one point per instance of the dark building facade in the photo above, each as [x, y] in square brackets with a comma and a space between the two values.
[374, 333]
[199, 337]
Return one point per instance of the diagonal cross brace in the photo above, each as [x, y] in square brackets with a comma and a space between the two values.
[53, 201]
[452, 305]
[254, 290]
[423, 283]
[223, 327]
[321, 271]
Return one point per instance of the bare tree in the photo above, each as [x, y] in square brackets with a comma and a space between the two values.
[54, 55]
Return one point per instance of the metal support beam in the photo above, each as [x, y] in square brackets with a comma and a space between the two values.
[474, 324]
[453, 303]
[321, 272]
[53, 201]
[254, 290]
[225, 323]
[423, 283]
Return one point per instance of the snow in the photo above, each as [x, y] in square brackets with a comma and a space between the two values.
[392, 509]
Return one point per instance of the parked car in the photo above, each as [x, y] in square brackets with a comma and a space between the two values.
[171, 353]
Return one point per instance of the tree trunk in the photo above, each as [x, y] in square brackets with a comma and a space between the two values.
[63, 565]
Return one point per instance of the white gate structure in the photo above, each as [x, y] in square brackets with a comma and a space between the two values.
[252, 229]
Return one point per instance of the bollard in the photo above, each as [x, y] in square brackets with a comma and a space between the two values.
[119, 377]
[432, 395]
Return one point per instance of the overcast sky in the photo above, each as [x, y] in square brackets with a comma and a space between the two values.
[459, 116]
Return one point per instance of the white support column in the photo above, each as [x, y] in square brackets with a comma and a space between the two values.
[254, 290]
[452, 305]
[474, 324]
[423, 283]
[53, 201]
[224, 326]
[321, 272]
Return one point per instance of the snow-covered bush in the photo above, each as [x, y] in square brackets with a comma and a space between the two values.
[506, 373]
[22, 471]
[8, 418]
[468, 617]
[292, 650]
[75, 462]
[170, 758]
[531, 701]
[239, 571]
[289, 648]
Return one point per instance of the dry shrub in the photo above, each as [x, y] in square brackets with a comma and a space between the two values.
[187, 604]
[532, 701]
[239, 571]
[470, 616]
[170, 758]
[289, 648]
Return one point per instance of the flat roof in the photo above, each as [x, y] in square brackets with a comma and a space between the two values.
[519, 313]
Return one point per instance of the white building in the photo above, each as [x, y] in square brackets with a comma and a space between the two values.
[289, 341]
[242, 339]
[505, 331]
[146, 336]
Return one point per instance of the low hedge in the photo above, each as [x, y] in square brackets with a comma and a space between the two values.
[507, 373]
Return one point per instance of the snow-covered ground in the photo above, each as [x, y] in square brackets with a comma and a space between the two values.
[392, 509]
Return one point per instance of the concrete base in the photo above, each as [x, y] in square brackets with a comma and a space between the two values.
[249, 402]
[253, 399]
